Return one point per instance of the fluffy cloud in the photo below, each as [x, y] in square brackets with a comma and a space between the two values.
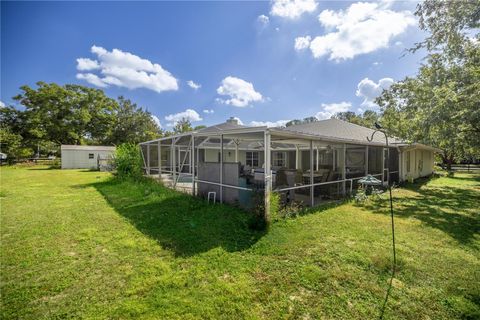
[2, 105]
[193, 85]
[278, 123]
[241, 92]
[263, 19]
[93, 79]
[189, 114]
[85, 64]
[369, 90]
[329, 109]
[362, 28]
[292, 9]
[157, 121]
[302, 43]
[208, 111]
[124, 69]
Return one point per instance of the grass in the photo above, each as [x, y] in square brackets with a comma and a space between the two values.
[78, 244]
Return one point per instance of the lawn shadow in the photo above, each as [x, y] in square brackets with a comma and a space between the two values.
[179, 222]
[450, 209]
[45, 168]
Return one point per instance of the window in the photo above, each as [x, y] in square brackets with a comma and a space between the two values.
[279, 159]
[251, 159]
[91, 156]
[408, 161]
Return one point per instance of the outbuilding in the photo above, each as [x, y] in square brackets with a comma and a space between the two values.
[85, 157]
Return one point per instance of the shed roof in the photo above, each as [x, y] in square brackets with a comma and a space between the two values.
[87, 148]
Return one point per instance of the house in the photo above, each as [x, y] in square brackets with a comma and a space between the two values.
[308, 162]
[85, 157]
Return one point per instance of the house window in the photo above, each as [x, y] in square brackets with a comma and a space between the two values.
[279, 159]
[408, 161]
[251, 159]
[91, 156]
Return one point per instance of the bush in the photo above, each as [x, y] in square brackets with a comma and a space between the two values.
[128, 161]
[258, 220]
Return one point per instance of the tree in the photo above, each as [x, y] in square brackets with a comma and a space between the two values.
[448, 24]
[200, 127]
[293, 122]
[11, 145]
[305, 120]
[367, 119]
[440, 105]
[182, 126]
[73, 114]
[131, 124]
[67, 114]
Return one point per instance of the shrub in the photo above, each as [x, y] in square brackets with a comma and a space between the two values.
[257, 220]
[128, 161]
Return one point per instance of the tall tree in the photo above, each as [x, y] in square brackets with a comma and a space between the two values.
[449, 24]
[304, 120]
[67, 114]
[182, 126]
[73, 114]
[131, 124]
[367, 119]
[440, 105]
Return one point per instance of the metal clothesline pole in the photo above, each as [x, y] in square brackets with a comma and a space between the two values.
[391, 215]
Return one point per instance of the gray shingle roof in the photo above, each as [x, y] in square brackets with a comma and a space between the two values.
[339, 130]
[222, 127]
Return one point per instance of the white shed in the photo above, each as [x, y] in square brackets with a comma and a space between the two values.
[84, 157]
[417, 160]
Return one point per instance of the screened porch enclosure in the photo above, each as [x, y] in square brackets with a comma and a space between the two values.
[232, 166]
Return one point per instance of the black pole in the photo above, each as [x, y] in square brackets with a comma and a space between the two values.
[392, 223]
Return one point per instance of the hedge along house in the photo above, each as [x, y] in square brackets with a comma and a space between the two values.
[308, 163]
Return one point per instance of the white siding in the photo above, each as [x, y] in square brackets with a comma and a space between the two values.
[421, 163]
[79, 159]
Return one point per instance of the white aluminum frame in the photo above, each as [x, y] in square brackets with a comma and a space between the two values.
[270, 135]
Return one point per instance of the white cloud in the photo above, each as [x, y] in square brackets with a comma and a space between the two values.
[85, 64]
[302, 43]
[189, 114]
[93, 79]
[241, 92]
[369, 90]
[292, 9]
[240, 122]
[329, 109]
[193, 85]
[127, 70]
[278, 123]
[263, 19]
[157, 121]
[2, 105]
[362, 28]
[208, 111]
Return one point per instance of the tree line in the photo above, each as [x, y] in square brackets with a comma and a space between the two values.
[52, 114]
[440, 105]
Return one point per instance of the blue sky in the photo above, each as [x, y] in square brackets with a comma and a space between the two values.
[258, 61]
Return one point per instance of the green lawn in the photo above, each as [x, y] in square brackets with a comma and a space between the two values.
[78, 244]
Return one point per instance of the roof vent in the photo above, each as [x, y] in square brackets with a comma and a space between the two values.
[232, 120]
